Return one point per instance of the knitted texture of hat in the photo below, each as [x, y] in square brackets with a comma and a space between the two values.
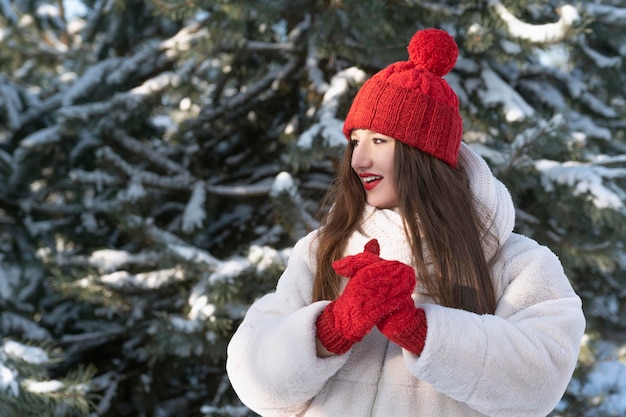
[411, 102]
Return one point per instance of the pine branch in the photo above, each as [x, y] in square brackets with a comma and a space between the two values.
[442, 9]
[147, 61]
[239, 103]
[91, 339]
[540, 34]
[109, 260]
[144, 152]
[37, 112]
[130, 101]
[124, 282]
[176, 245]
[176, 182]
[261, 47]
[606, 14]
[247, 190]
[316, 75]
[109, 383]
[601, 61]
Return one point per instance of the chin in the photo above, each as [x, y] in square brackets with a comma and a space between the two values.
[383, 205]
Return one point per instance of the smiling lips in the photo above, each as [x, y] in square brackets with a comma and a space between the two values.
[370, 180]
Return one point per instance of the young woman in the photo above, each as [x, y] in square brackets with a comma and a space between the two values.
[414, 297]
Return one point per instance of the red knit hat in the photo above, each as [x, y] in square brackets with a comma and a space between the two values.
[411, 102]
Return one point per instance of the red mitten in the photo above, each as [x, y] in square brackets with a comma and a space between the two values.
[376, 288]
[406, 327]
[350, 265]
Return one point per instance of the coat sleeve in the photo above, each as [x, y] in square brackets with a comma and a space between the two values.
[517, 362]
[272, 362]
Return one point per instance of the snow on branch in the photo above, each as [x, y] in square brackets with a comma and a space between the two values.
[140, 149]
[152, 280]
[596, 105]
[177, 246]
[113, 71]
[183, 41]
[546, 33]
[54, 210]
[129, 101]
[148, 60]
[284, 185]
[194, 213]
[288, 46]
[299, 29]
[329, 126]
[38, 111]
[91, 80]
[10, 100]
[442, 9]
[176, 182]
[97, 178]
[271, 79]
[14, 323]
[258, 46]
[109, 260]
[6, 10]
[98, 337]
[586, 179]
[41, 138]
[316, 75]
[575, 86]
[29, 354]
[9, 376]
[339, 85]
[608, 15]
[248, 190]
[108, 384]
[530, 136]
[612, 159]
[497, 91]
[155, 85]
[601, 61]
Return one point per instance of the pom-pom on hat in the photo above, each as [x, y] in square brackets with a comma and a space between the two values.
[411, 102]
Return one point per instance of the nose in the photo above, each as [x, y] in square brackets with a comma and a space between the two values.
[361, 158]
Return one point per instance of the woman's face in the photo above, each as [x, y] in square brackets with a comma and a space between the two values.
[373, 161]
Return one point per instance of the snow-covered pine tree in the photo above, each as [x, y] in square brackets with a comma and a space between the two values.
[159, 158]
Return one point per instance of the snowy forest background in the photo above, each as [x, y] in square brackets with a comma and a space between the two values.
[158, 160]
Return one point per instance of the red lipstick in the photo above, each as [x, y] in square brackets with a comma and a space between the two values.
[370, 180]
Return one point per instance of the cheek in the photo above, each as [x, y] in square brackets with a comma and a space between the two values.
[389, 162]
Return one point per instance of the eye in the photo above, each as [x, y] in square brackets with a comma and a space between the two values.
[354, 142]
[378, 141]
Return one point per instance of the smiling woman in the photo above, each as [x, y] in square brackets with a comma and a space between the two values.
[373, 161]
[414, 296]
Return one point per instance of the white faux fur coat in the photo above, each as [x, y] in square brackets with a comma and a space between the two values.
[516, 362]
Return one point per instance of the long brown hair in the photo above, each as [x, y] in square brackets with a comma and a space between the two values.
[436, 204]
